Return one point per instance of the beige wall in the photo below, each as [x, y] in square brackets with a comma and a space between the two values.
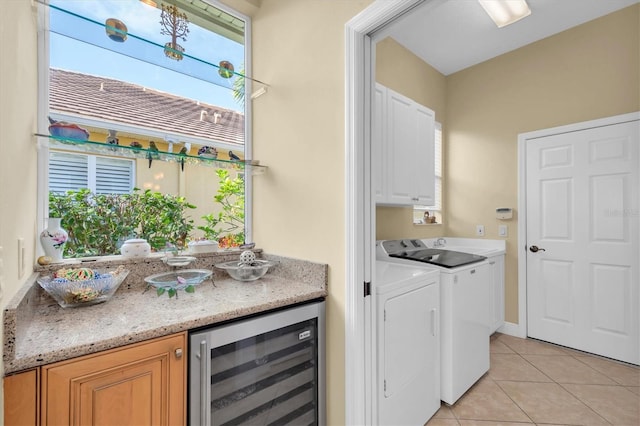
[588, 72]
[18, 165]
[400, 70]
[298, 48]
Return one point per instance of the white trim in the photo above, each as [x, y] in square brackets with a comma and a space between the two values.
[42, 202]
[359, 208]
[522, 200]
[512, 329]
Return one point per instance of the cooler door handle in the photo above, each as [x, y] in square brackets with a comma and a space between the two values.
[434, 321]
[204, 384]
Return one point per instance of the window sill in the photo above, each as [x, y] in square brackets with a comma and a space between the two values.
[139, 268]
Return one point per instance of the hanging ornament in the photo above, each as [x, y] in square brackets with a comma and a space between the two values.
[116, 30]
[175, 24]
[225, 69]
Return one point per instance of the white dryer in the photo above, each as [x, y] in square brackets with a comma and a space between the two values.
[408, 343]
[465, 313]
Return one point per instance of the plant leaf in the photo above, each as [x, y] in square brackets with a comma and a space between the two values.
[190, 289]
[160, 291]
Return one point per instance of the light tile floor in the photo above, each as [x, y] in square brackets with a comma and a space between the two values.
[532, 382]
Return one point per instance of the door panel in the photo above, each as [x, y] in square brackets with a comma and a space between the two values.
[557, 282]
[582, 212]
[611, 299]
[556, 208]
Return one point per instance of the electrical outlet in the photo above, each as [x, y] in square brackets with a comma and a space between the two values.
[480, 230]
[503, 230]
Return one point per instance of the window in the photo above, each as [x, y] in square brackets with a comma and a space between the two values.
[435, 211]
[168, 74]
[102, 175]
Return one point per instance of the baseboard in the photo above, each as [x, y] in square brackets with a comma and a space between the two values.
[513, 329]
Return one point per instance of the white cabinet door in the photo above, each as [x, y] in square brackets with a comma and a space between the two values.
[403, 138]
[425, 156]
[497, 289]
[378, 129]
[401, 149]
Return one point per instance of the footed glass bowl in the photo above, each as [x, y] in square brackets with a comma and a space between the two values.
[179, 280]
[72, 294]
[246, 271]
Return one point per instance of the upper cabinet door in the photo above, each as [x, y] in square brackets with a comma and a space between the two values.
[378, 156]
[425, 156]
[401, 149]
[402, 134]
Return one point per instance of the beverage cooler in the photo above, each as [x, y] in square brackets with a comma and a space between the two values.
[264, 370]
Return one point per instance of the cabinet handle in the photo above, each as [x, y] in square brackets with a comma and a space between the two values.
[178, 353]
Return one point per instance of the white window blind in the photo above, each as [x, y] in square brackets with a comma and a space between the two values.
[437, 171]
[102, 175]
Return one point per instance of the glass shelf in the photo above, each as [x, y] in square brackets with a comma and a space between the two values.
[251, 166]
[87, 30]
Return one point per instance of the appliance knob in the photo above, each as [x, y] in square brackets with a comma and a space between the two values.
[535, 249]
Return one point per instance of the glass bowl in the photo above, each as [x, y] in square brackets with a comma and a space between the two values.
[71, 293]
[178, 260]
[179, 280]
[246, 271]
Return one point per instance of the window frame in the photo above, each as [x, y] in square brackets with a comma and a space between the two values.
[42, 146]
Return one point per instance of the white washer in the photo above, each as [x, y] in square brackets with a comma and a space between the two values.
[465, 315]
[408, 343]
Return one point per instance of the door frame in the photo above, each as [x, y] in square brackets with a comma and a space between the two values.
[359, 202]
[520, 329]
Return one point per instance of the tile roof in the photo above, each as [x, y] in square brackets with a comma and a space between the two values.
[118, 101]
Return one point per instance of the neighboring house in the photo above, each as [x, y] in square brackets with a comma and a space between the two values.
[92, 101]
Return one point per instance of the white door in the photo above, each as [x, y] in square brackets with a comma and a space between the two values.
[582, 190]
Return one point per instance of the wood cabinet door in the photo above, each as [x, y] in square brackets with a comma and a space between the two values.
[21, 393]
[140, 384]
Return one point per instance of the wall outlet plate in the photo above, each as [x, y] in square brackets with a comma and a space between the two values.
[480, 230]
[503, 230]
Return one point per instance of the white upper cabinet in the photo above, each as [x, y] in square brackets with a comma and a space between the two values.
[402, 150]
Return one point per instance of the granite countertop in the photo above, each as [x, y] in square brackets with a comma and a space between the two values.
[38, 331]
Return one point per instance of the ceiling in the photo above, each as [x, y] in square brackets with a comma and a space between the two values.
[452, 35]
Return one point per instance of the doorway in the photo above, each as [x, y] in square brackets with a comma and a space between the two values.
[581, 228]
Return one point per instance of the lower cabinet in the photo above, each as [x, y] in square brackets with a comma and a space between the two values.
[21, 398]
[139, 384]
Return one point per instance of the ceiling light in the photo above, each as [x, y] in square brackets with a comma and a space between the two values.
[505, 12]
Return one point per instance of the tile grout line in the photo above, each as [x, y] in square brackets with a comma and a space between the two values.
[557, 383]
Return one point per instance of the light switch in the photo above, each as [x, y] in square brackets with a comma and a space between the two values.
[503, 230]
[21, 260]
[480, 230]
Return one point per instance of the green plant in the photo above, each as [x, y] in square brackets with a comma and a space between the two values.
[238, 87]
[98, 223]
[161, 219]
[229, 222]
